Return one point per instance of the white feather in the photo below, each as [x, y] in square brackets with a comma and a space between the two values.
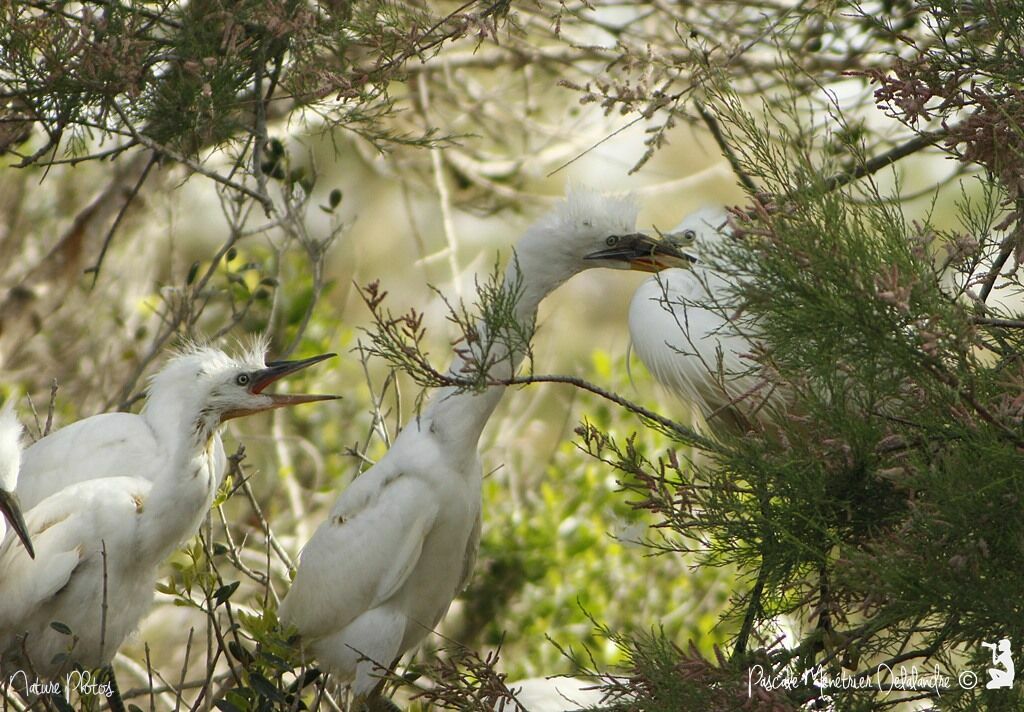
[399, 544]
[108, 499]
[682, 332]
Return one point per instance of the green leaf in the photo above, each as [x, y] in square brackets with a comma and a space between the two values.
[275, 661]
[265, 687]
[60, 627]
[222, 594]
[239, 653]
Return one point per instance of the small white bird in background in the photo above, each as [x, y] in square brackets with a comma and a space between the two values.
[554, 694]
[151, 480]
[401, 541]
[10, 464]
[682, 333]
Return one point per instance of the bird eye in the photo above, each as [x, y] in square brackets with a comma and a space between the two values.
[242, 379]
[689, 235]
[611, 241]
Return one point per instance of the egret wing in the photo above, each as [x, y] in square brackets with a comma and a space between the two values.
[27, 583]
[469, 558]
[67, 581]
[108, 445]
[688, 347]
[362, 555]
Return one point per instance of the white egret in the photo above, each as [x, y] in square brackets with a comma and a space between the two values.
[10, 464]
[100, 539]
[401, 541]
[554, 694]
[682, 333]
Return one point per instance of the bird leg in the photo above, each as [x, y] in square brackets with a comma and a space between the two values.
[375, 701]
[114, 701]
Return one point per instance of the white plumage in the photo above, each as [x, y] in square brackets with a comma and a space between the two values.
[401, 541]
[111, 497]
[682, 332]
[554, 694]
[10, 465]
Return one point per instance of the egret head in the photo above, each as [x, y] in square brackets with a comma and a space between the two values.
[10, 463]
[210, 387]
[591, 229]
[700, 231]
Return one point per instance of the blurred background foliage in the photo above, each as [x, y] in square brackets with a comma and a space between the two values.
[209, 170]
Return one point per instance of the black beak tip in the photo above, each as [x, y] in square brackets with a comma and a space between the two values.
[11, 511]
[308, 361]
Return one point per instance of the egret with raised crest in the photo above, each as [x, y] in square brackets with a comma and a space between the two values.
[400, 543]
[127, 490]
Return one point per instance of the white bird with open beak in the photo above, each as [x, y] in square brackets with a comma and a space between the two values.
[133, 488]
[401, 541]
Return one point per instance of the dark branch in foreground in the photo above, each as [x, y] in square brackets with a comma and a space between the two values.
[873, 165]
[688, 434]
[716, 133]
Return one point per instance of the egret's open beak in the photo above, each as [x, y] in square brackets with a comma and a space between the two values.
[645, 253]
[274, 371]
[12, 512]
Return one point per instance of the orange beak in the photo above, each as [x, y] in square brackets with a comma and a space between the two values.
[645, 253]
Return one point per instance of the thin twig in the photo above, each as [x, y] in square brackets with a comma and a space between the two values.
[992, 321]
[104, 601]
[262, 199]
[50, 408]
[688, 434]
[747, 627]
[716, 133]
[1006, 249]
[184, 670]
[129, 199]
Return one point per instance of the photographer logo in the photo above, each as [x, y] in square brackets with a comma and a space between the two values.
[1002, 672]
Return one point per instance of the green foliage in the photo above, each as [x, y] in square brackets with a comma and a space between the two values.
[876, 518]
[494, 337]
[573, 553]
[185, 77]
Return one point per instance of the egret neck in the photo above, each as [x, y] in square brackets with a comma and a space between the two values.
[461, 416]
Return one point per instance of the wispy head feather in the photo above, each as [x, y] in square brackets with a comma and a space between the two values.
[194, 360]
[585, 207]
[559, 240]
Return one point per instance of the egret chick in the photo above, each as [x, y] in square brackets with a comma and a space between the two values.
[401, 541]
[10, 464]
[681, 333]
[99, 540]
